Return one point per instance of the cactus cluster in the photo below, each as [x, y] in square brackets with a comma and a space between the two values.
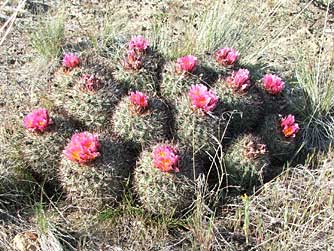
[109, 104]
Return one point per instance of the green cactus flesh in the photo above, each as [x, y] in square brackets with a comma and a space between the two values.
[175, 83]
[247, 107]
[246, 161]
[165, 193]
[199, 130]
[280, 147]
[101, 182]
[42, 151]
[144, 79]
[143, 127]
[92, 108]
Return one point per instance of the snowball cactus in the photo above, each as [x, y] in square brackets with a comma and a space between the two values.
[164, 179]
[93, 170]
[142, 119]
[246, 161]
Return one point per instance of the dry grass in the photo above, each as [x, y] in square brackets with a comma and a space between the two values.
[314, 78]
[292, 212]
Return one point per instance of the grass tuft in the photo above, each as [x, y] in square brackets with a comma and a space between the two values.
[292, 212]
[219, 24]
[315, 77]
[48, 36]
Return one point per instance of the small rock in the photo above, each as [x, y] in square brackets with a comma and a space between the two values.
[26, 241]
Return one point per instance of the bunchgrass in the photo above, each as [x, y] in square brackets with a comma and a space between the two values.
[220, 24]
[48, 36]
[109, 29]
[49, 236]
[314, 78]
[292, 212]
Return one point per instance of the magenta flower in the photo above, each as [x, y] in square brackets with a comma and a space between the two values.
[138, 43]
[186, 64]
[70, 60]
[273, 84]
[139, 99]
[202, 98]
[38, 120]
[226, 56]
[165, 158]
[83, 147]
[289, 120]
[239, 80]
[91, 82]
[289, 127]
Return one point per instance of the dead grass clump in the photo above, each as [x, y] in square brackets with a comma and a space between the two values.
[293, 212]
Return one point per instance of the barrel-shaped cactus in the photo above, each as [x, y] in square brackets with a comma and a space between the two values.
[87, 93]
[93, 172]
[176, 82]
[164, 179]
[246, 106]
[143, 79]
[281, 140]
[200, 128]
[278, 97]
[42, 149]
[136, 66]
[246, 161]
[141, 119]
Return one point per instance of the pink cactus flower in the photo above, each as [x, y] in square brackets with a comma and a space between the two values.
[139, 99]
[91, 82]
[70, 60]
[202, 98]
[165, 158]
[273, 84]
[186, 64]
[289, 127]
[288, 120]
[83, 147]
[290, 131]
[38, 120]
[226, 56]
[138, 43]
[239, 80]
